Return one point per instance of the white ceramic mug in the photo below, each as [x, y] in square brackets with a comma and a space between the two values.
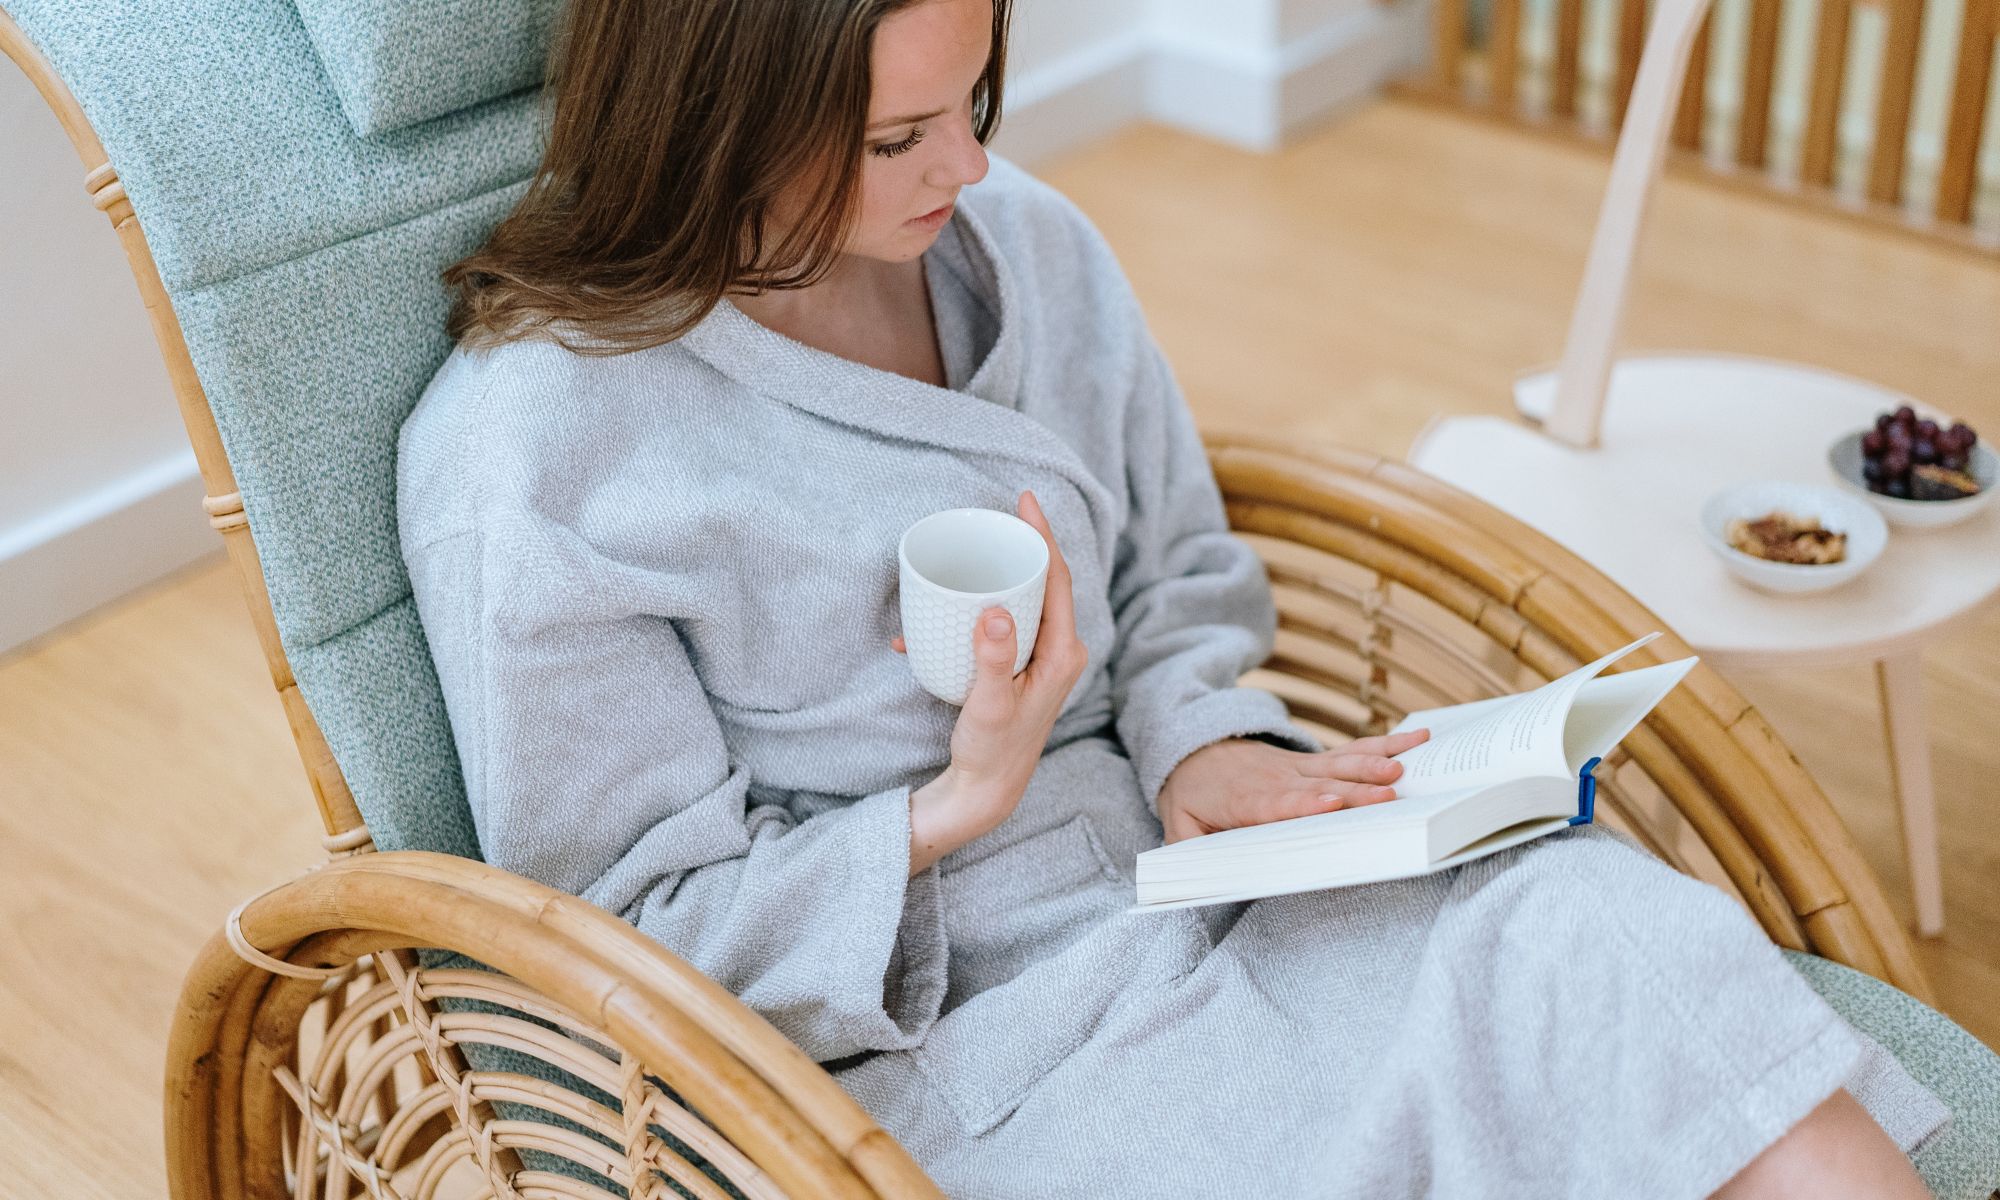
[955, 564]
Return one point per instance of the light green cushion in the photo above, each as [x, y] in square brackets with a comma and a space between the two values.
[231, 142]
[1963, 1161]
[395, 63]
[302, 262]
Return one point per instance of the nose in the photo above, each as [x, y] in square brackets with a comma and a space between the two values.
[964, 160]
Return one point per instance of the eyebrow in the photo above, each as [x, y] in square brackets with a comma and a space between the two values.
[909, 120]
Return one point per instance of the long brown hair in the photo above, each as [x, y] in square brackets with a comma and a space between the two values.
[675, 125]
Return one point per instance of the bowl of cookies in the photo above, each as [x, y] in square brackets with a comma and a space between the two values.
[1917, 471]
[1792, 537]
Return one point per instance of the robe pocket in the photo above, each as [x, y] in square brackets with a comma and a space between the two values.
[986, 1055]
[1052, 874]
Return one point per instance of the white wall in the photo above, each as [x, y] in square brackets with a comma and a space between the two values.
[98, 489]
[1075, 71]
[1250, 72]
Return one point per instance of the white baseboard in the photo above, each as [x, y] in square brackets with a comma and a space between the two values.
[1076, 99]
[1253, 99]
[1259, 101]
[125, 535]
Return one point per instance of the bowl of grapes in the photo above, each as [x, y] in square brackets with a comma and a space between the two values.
[1920, 472]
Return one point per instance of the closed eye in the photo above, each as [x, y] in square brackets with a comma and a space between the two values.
[892, 149]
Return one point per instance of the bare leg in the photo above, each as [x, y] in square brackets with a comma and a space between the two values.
[1838, 1150]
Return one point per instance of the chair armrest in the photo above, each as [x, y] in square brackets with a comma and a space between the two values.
[550, 955]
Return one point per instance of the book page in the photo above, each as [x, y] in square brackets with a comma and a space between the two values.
[1505, 737]
[1608, 707]
[1521, 735]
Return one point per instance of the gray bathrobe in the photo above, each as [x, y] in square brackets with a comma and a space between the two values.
[660, 587]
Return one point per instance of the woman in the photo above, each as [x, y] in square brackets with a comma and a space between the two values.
[768, 302]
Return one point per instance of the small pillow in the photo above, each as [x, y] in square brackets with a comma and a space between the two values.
[396, 63]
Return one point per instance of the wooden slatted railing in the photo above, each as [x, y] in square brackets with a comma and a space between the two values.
[1959, 174]
[1488, 73]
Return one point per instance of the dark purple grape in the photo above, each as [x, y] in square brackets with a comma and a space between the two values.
[1898, 438]
[1899, 488]
[1963, 433]
[1952, 460]
[1879, 487]
[1907, 417]
[1884, 421]
[1873, 443]
[1871, 469]
[1927, 430]
[1924, 451]
[1895, 464]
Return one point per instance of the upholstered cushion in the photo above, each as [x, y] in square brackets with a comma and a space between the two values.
[302, 263]
[1963, 1161]
[394, 63]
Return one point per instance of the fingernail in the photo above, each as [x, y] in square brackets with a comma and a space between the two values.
[996, 625]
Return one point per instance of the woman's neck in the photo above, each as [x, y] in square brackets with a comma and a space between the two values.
[873, 312]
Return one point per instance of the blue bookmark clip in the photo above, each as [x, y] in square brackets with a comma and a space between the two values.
[1586, 793]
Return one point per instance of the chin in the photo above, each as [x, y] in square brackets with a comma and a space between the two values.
[901, 248]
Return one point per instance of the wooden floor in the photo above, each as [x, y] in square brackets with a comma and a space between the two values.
[1401, 262]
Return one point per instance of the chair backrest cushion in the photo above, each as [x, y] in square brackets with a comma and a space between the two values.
[395, 64]
[302, 262]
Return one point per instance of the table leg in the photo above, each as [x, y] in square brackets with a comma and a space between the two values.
[1900, 678]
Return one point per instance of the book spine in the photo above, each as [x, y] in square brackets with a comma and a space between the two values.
[1586, 793]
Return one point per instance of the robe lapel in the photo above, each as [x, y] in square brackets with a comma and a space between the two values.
[984, 419]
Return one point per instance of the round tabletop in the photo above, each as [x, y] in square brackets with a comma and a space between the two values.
[1678, 428]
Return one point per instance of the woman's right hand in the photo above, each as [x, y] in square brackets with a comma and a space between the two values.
[1004, 724]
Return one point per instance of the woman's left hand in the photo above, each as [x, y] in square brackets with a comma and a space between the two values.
[1244, 781]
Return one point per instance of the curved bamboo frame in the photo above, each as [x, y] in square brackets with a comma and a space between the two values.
[241, 1075]
[224, 502]
[332, 1066]
[1761, 826]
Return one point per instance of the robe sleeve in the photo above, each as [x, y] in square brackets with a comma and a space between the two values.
[1192, 601]
[595, 764]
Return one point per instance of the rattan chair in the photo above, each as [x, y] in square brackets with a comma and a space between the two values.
[407, 1021]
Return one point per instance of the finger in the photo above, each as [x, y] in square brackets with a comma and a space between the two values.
[1388, 743]
[1359, 768]
[1057, 628]
[993, 654]
[896, 644]
[1031, 512]
[1328, 796]
[1342, 794]
[1296, 803]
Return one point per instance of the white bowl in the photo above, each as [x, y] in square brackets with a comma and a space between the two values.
[1836, 510]
[1844, 457]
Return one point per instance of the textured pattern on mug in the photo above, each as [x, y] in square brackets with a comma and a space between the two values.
[938, 629]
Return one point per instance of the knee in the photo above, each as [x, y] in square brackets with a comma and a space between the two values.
[1837, 1149]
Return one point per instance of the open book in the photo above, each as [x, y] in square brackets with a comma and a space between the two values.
[1494, 773]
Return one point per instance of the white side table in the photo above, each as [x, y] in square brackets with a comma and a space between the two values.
[1677, 428]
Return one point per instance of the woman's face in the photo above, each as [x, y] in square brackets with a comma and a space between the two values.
[920, 149]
